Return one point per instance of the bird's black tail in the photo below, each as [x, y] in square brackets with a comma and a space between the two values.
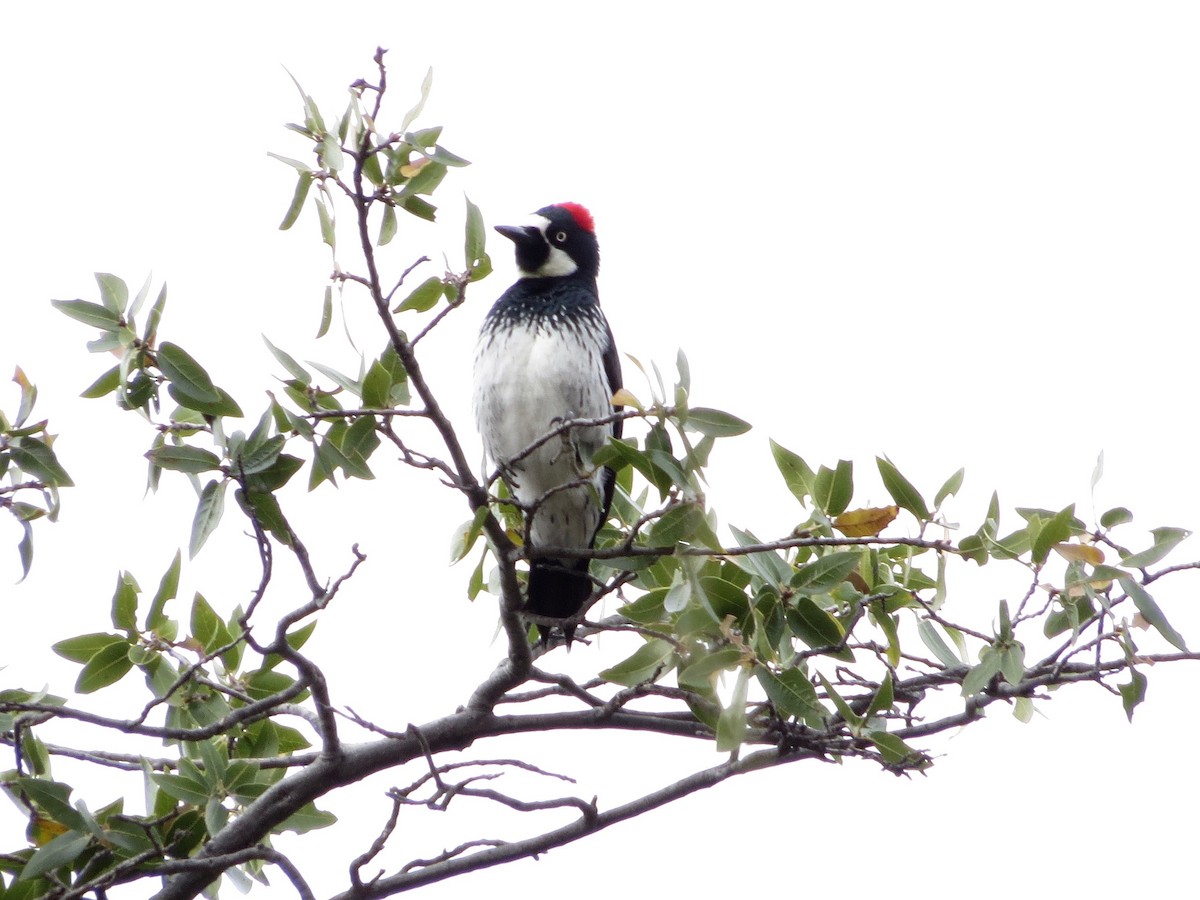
[557, 589]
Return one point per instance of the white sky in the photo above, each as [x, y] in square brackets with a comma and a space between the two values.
[955, 233]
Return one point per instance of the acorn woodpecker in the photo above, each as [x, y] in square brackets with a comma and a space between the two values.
[546, 355]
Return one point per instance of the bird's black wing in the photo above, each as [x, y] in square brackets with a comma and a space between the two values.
[612, 369]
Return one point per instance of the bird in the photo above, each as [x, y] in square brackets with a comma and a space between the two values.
[546, 355]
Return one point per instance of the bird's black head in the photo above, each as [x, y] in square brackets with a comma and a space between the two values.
[560, 240]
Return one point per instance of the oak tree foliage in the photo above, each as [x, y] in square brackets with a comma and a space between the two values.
[840, 640]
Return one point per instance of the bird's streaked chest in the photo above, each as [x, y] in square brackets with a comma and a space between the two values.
[528, 374]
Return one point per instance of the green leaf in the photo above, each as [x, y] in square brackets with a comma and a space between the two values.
[446, 158]
[1074, 612]
[104, 385]
[326, 220]
[224, 405]
[1098, 471]
[1118, 515]
[475, 243]
[185, 373]
[28, 397]
[1006, 629]
[114, 294]
[853, 720]
[167, 586]
[1152, 613]
[1133, 693]
[345, 382]
[36, 457]
[425, 138]
[882, 701]
[54, 799]
[398, 393]
[1053, 531]
[263, 457]
[207, 626]
[649, 661]
[647, 609]
[293, 368]
[698, 675]
[25, 548]
[108, 666]
[303, 184]
[307, 818]
[208, 515]
[61, 851]
[427, 179]
[972, 547]
[825, 572]
[150, 335]
[265, 683]
[833, 488]
[140, 300]
[124, 603]
[793, 695]
[182, 788]
[423, 297]
[294, 163]
[387, 226]
[184, 459]
[1012, 546]
[276, 475]
[894, 751]
[295, 639]
[467, 534]
[1023, 710]
[714, 422]
[372, 168]
[357, 445]
[89, 314]
[902, 490]
[412, 114]
[326, 312]
[677, 525]
[330, 154]
[930, 637]
[266, 510]
[731, 726]
[420, 208]
[813, 625]
[216, 816]
[887, 624]
[679, 594]
[1165, 540]
[950, 488]
[766, 565]
[981, 675]
[1012, 662]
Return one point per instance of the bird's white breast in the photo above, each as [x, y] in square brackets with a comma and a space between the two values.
[527, 379]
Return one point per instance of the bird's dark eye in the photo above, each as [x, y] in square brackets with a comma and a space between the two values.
[560, 238]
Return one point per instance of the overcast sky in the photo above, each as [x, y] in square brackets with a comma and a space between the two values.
[960, 234]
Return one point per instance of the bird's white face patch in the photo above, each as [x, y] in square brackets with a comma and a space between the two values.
[559, 263]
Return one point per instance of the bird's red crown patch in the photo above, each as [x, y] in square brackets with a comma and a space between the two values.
[582, 217]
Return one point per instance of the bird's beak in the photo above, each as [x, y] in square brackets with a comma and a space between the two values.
[517, 233]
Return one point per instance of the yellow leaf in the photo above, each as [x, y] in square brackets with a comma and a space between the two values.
[42, 831]
[1099, 585]
[410, 169]
[1087, 553]
[865, 522]
[623, 398]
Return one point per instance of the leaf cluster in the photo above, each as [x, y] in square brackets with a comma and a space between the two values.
[30, 473]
